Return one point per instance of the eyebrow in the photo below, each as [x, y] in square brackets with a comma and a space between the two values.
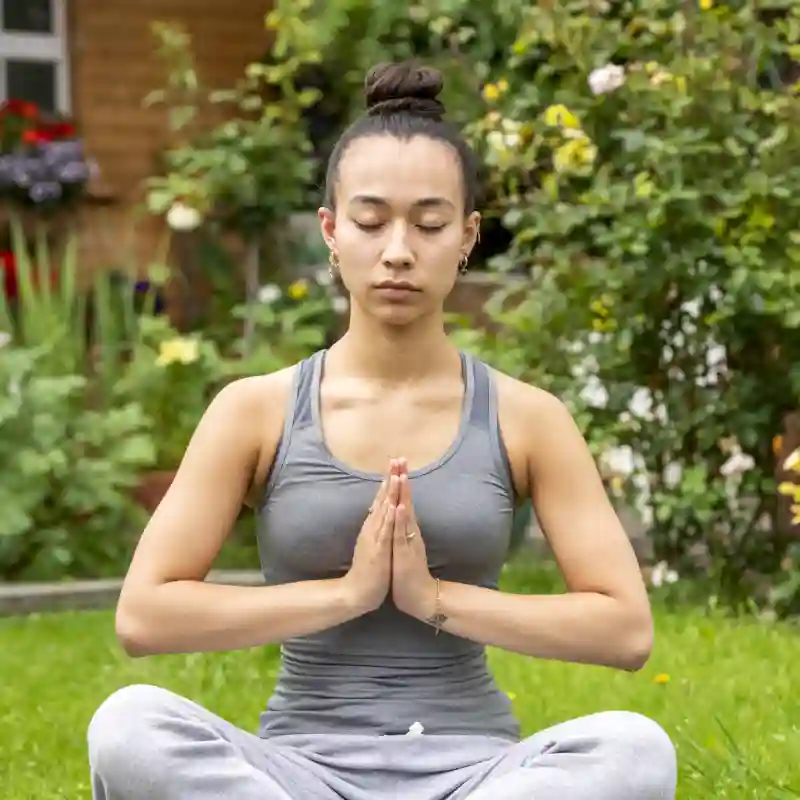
[424, 202]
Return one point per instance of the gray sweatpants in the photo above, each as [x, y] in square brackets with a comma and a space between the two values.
[146, 742]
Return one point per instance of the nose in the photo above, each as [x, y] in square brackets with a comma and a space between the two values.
[398, 254]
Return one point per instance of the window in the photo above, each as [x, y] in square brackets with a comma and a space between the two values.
[33, 53]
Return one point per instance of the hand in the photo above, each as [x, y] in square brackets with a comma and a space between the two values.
[369, 577]
[413, 586]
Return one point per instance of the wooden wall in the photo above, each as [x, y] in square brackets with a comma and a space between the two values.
[113, 68]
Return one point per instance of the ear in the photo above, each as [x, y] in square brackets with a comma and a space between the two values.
[472, 227]
[327, 220]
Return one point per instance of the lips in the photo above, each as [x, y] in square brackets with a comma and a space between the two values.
[399, 286]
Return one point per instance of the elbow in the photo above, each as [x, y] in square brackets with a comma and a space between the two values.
[131, 632]
[637, 643]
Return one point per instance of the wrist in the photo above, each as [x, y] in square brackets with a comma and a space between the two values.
[434, 614]
[349, 600]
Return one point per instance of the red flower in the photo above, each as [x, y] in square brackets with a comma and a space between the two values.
[9, 268]
[21, 108]
[62, 130]
[33, 136]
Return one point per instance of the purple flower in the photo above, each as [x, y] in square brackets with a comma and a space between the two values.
[40, 192]
[73, 172]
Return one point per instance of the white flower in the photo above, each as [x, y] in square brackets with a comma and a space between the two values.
[507, 137]
[5, 338]
[606, 79]
[618, 461]
[340, 304]
[416, 729]
[594, 393]
[269, 293]
[323, 277]
[737, 464]
[181, 217]
[662, 574]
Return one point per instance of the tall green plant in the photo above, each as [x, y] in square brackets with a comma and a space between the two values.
[78, 328]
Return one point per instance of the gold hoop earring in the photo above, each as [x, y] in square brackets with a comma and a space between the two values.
[463, 265]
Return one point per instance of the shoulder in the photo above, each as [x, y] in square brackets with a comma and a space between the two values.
[530, 405]
[250, 413]
[536, 427]
[254, 397]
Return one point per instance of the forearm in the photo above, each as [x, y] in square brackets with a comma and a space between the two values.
[580, 627]
[197, 616]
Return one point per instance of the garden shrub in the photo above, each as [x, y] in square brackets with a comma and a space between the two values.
[650, 175]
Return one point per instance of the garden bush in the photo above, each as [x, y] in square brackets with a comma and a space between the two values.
[650, 175]
[70, 471]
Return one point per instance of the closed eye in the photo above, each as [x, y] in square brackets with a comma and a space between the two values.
[374, 226]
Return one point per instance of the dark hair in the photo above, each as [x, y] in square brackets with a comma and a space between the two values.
[402, 102]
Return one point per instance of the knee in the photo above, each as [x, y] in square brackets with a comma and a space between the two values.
[646, 750]
[122, 731]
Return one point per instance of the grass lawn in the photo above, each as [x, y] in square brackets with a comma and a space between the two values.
[731, 703]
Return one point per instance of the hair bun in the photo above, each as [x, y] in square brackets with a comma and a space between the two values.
[393, 88]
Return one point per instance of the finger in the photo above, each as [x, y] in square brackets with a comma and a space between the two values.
[380, 497]
[405, 499]
[393, 493]
[405, 491]
[387, 528]
[403, 532]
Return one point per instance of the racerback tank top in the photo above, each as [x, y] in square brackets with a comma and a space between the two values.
[382, 672]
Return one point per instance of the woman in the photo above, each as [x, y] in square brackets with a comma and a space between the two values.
[385, 471]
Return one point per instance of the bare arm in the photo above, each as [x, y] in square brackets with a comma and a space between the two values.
[165, 606]
[604, 618]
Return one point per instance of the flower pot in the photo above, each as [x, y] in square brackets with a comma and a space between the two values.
[152, 488]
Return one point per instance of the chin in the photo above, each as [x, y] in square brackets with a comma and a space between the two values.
[397, 315]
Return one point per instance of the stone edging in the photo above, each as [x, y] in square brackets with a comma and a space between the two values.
[30, 598]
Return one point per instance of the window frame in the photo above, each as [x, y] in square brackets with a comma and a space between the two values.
[48, 47]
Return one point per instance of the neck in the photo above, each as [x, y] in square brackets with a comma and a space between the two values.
[392, 353]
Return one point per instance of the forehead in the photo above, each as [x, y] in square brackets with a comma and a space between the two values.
[400, 170]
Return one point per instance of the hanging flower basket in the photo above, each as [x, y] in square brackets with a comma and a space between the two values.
[43, 163]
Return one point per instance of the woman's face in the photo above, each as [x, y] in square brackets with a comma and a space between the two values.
[399, 229]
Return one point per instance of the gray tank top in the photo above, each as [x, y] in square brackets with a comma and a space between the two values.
[382, 672]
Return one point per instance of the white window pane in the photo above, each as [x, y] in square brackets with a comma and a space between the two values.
[28, 16]
[34, 81]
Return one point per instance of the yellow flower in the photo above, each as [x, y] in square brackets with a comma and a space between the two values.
[617, 484]
[575, 153]
[796, 514]
[643, 185]
[520, 47]
[502, 85]
[706, 5]
[559, 116]
[298, 290]
[178, 351]
[491, 92]
[792, 461]
[662, 679]
[790, 490]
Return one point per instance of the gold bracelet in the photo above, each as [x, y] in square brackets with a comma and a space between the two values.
[437, 619]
